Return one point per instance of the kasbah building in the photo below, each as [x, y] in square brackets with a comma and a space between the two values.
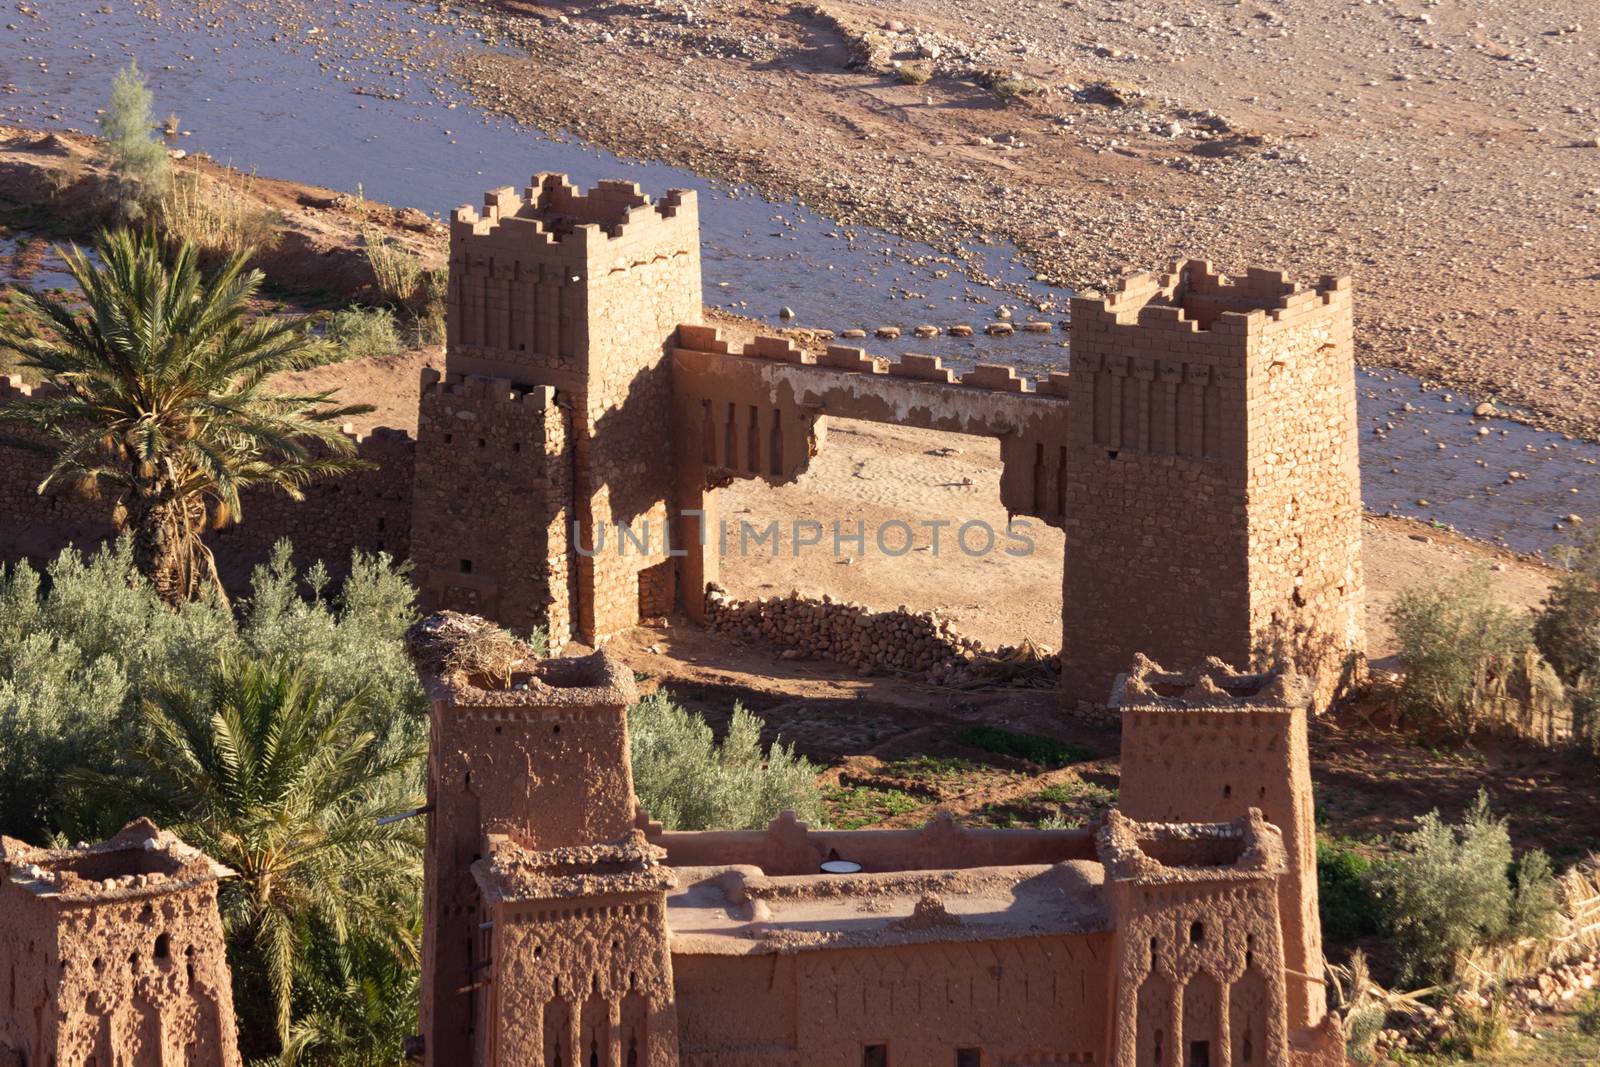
[1201, 460]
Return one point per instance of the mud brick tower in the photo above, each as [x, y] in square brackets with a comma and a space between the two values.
[1199, 963]
[1213, 470]
[114, 955]
[582, 972]
[531, 820]
[580, 293]
[1212, 745]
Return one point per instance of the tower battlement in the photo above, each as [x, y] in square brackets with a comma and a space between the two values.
[553, 214]
[1191, 296]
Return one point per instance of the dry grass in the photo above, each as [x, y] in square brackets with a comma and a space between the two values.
[218, 216]
[468, 648]
[396, 269]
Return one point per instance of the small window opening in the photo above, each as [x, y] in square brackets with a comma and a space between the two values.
[1227, 791]
[594, 1053]
[449, 437]
[1197, 933]
[516, 446]
[875, 1056]
[163, 946]
[466, 566]
[483, 442]
[1199, 1054]
[633, 1052]
[1247, 1051]
[969, 1057]
[1111, 453]
[1160, 1040]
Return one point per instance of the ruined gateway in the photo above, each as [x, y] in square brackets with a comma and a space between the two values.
[1201, 458]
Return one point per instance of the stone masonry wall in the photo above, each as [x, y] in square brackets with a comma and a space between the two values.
[1212, 471]
[1307, 586]
[496, 472]
[852, 634]
[369, 510]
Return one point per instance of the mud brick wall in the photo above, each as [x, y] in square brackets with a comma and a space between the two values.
[369, 510]
[1039, 1000]
[495, 472]
[1213, 492]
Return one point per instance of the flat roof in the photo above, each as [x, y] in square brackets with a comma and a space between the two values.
[738, 910]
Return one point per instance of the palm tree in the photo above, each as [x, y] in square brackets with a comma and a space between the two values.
[159, 391]
[288, 788]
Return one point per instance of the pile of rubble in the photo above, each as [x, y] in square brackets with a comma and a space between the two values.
[919, 643]
[1427, 1028]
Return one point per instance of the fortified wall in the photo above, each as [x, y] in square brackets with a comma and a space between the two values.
[564, 926]
[369, 510]
[1201, 456]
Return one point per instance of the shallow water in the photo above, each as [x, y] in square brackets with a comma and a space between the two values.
[310, 112]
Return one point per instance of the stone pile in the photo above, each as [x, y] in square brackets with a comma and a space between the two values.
[911, 642]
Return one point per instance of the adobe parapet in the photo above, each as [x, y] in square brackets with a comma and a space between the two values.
[512, 871]
[553, 219]
[1192, 297]
[142, 860]
[1245, 849]
[1214, 684]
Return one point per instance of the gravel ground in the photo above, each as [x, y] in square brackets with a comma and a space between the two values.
[1444, 153]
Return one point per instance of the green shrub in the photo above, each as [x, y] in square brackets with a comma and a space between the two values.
[1535, 903]
[141, 171]
[1343, 897]
[1567, 625]
[1459, 645]
[1589, 1014]
[1361, 1029]
[1446, 892]
[1047, 752]
[362, 333]
[688, 781]
[910, 75]
[82, 644]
